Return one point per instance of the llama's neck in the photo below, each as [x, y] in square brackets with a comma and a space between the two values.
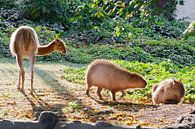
[46, 49]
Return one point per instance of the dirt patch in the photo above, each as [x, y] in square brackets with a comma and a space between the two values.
[54, 93]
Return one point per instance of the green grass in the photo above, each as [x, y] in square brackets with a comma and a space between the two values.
[152, 72]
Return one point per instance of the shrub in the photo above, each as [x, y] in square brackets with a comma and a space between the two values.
[51, 10]
[8, 4]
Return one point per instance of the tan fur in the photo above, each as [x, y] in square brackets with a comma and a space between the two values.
[24, 44]
[24, 41]
[169, 91]
[104, 74]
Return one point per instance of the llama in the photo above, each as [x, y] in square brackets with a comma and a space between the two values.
[25, 44]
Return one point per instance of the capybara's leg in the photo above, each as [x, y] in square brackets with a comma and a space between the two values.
[123, 94]
[87, 91]
[99, 93]
[88, 87]
[113, 95]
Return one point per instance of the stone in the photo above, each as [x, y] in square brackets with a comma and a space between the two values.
[102, 124]
[48, 119]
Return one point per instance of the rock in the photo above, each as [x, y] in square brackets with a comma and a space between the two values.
[101, 124]
[178, 127]
[138, 127]
[48, 120]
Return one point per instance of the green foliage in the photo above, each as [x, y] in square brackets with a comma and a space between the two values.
[190, 31]
[153, 73]
[142, 50]
[4, 38]
[74, 105]
[51, 10]
[8, 4]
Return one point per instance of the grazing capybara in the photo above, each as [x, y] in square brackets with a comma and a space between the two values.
[104, 74]
[169, 91]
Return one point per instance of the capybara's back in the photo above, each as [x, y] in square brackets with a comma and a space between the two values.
[104, 74]
[169, 91]
[24, 41]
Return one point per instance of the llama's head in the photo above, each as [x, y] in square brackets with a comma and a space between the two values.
[59, 46]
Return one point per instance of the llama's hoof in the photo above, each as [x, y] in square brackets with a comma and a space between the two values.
[18, 87]
[22, 89]
[31, 92]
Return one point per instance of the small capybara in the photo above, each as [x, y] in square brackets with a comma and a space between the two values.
[106, 75]
[169, 91]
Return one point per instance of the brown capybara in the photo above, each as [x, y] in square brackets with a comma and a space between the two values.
[106, 75]
[169, 91]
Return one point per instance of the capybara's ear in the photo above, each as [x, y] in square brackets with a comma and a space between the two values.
[174, 82]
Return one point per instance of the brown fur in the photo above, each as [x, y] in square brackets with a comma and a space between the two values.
[168, 91]
[24, 44]
[104, 74]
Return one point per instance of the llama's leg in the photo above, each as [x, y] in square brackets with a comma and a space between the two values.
[32, 62]
[21, 72]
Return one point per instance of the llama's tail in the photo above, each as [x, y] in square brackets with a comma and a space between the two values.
[12, 42]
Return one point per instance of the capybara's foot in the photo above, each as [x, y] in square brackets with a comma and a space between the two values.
[87, 93]
[100, 97]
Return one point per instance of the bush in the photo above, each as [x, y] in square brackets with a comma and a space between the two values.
[8, 4]
[51, 10]
[143, 50]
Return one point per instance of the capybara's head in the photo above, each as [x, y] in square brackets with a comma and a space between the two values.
[59, 46]
[180, 86]
[136, 81]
